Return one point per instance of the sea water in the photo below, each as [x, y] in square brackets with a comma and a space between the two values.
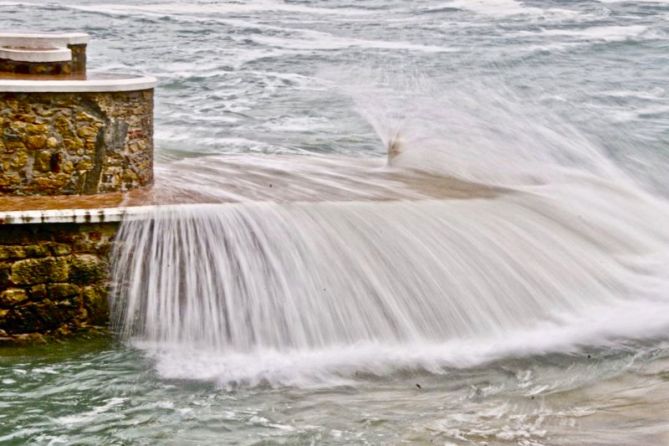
[389, 222]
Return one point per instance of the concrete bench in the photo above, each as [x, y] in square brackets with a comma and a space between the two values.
[43, 53]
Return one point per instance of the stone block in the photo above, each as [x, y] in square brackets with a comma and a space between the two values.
[19, 160]
[14, 146]
[43, 161]
[5, 272]
[52, 143]
[33, 271]
[28, 339]
[12, 296]
[73, 144]
[37, 292]
[97, 304]
[36, 142]
[61, 291]
[36, 250]
[87, 269]
[12, 252]
[66, 167]
[88, 133]
[40, 316]
[25, 119]
[59, 249]
[37, 128]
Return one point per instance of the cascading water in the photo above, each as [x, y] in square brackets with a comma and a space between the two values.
[501, 280]
[566, 251]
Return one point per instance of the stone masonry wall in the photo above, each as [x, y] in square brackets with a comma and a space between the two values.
[54, 279]
[41, 68]
[77, 65]
[75, 143]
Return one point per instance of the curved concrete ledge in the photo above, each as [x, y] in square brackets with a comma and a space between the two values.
[62, 216]
[90, 85]
[100, 215]
[32, 55]
[104, 215]
[42, 40]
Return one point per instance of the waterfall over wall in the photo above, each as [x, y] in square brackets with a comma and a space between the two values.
[248, 278]
[565, 251]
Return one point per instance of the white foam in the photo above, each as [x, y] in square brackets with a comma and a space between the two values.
[228, 8]
[340, 365]
[663, 2]
[605, 33]
[653, 94]
[494, 7]
[91, 415]
[324, 41]
[298, 124]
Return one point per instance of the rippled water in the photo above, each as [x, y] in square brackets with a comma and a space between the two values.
[262, 76]
[534, 96]
[98, 393]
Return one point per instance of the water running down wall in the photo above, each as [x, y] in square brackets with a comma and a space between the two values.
[568, 253]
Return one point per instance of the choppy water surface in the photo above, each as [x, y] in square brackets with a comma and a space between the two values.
[503, 281]
[103, 394]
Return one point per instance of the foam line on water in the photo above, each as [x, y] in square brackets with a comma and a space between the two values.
[341, 364]
[220, 9]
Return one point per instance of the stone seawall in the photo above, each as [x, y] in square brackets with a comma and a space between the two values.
[55, 143]
[72, 144]
[54, 279]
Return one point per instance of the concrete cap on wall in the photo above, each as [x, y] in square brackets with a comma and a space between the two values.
[91, 84]
[36, 55]
[105, 215]
[99, 215]
[41, 40]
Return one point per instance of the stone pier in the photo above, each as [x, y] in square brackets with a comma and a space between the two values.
[63, 132]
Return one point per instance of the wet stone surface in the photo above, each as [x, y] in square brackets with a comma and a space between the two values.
[38, 68]
[54, 280]
[75, 143]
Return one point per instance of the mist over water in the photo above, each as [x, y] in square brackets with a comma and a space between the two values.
[419, 222]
